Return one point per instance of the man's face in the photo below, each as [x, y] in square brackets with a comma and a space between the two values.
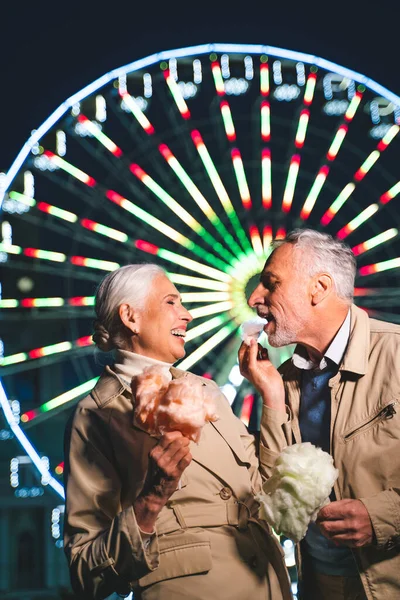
[282, 297]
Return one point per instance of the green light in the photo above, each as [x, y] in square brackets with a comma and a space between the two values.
[202, 350]
[206, 208]
[62, 214]
[264, 58]
[13, 359]
[27, 200]
[207, 326]
[84, 388]
[193, 265]
[111, 233]
[8, 303]
[163, 65]
[48, 302]
[48, 255]
[10, 249]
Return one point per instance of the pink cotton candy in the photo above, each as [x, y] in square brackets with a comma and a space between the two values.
[184, 404]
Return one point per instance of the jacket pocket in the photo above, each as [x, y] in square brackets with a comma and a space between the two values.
[181, 553]
[383, 414]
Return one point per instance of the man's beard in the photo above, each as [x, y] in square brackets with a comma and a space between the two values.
[283, 335]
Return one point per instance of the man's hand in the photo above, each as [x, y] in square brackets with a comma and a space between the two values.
[170, 457]
[259, 370]
[346, 523]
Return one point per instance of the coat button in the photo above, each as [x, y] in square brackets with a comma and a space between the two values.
[225, 493]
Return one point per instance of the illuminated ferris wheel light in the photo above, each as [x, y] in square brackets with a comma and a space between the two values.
[381, 238]
[390, 194]
[71, 169]
[393, 263]
[357, 221]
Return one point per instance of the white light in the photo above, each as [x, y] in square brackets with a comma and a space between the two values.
[277, 71]
[301, 73]
[76, 109]
[287, 92]
[229, 392]
[248, 66]
[147, 85]
[225, 66]
[61, 144]
[379, 131]
[197, 73]
[29, 184]
[235, 87]
[101, 109]
[173, 68]
[334, 108]
[235, 376]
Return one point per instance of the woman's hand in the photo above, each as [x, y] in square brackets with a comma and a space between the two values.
[259, 370]
[170, 457]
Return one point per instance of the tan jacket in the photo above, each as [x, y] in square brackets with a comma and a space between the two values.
[106, 466]
[365, 440]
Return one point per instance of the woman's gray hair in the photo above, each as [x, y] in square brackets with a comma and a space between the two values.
[322, 253]
[127, 285]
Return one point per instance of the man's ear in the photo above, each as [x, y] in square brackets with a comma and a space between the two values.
[129, 318]
[322, 285]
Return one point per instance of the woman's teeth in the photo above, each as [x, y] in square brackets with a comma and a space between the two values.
[179, 332]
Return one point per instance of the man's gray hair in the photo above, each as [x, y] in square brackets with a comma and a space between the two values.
[322, 253]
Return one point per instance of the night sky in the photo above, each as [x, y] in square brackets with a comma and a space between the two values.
[51, 50]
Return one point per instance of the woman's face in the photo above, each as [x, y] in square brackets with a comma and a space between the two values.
[162, 324]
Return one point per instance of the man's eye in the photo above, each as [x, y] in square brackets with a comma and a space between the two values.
[171, 301]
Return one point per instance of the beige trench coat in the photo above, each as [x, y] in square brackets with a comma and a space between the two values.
[365, 441]
[209, 541]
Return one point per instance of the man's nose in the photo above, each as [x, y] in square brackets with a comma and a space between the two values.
[256, 297]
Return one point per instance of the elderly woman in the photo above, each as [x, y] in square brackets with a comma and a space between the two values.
[161, 516]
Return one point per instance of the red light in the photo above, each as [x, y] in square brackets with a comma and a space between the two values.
[196, 137]
[146, 247]
[32, 252]
[37, 353]
[28, 302]
[84, 341]
[43, 206]
[136, 170]
[114, 197]
[88, 224]
[77, 301]
[165, 151]
[78, 260]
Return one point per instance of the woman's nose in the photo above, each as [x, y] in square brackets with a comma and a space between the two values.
[186, 315]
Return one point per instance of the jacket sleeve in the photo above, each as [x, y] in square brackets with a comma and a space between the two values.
[384, 512]
[275, 435]
[102, 541]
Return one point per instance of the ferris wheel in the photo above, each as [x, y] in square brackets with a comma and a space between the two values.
[195, 158]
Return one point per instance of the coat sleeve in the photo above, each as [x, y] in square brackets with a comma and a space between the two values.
[102, 541]
[384, 512]
[275, 435]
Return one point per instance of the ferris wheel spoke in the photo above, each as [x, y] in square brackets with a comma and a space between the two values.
[207, 346]
[38, 353]
[331, 154]
[61, 402]
[294, 164]
[359, 175]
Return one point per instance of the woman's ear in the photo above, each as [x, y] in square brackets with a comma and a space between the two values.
[128, 318]
[322, 286]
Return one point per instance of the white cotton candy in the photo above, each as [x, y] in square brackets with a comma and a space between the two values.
[298, 488]
[252, 329]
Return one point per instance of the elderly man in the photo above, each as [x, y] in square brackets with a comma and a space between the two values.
[341, 392]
